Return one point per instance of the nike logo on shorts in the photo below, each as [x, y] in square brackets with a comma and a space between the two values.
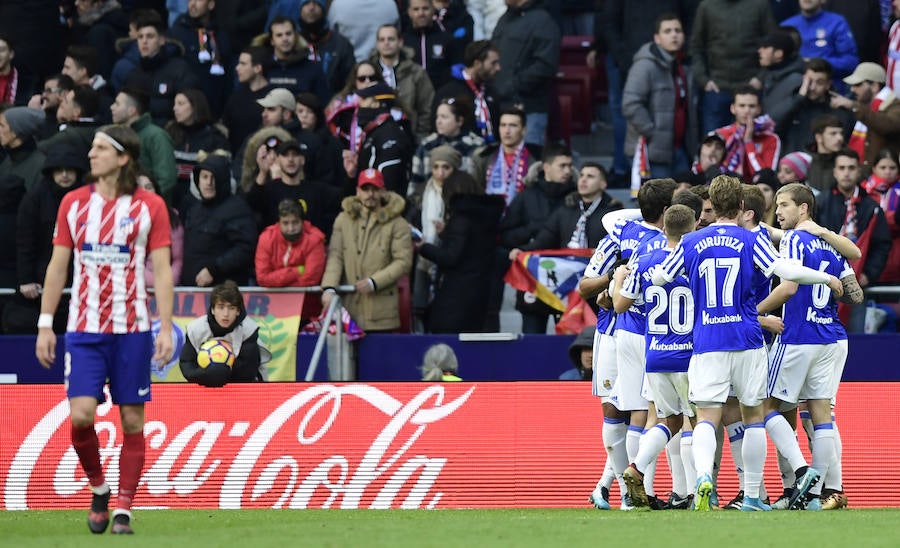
[143, 391]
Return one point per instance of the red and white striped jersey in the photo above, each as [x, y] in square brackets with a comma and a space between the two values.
[893, 56]
[110, 240]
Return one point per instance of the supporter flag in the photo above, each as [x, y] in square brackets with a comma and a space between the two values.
[640, 166]
[551, 274]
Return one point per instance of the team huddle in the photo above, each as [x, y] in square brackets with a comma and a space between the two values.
[685, 344]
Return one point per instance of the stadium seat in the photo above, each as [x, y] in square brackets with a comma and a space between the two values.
[575, 82]
[574, 49]
[559, 127]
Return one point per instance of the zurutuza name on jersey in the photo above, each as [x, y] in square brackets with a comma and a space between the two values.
[669, 347]
[719, 241]
[728, 318]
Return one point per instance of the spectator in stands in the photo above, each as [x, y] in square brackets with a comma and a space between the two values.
[243, 112]
[192, 130]
[710, 155]
[219, 231]
[865, 20]
[812, 100]
[263, 142]
[359, 21]
[848, 210]
[794, 167]
[81, 65]
[225, 320]
[12, 190]
[829, 140]
[485, 14]
[658, 101]
[398, 70]
[63, 171]
[326, 45]
[782, 74]
[883, 186]
[329, 151]
[370, 249]
[435, 49]
[99, 23]
[501, 166]
[892, 76]
[208, 51]
[291, 253]
[482, 63]
[876, 109]
[23, 161]
[77, 114]
[127, 52]
[440, 364]
[15, 86]
[464, 256]
[48, 101]
[145, 181]
[767, 182]
[826, 35]
[453, 17]
[529, 59]
[242, 20]
[546, 187]
[157, 152]
[581, 353]
[723, 53]
[291, 68]
[341, 112]
[750, 142]
[450, 123]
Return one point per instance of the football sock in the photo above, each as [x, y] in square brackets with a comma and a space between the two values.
[735, 433]
[676, 466]
[784, 439]
[807, 423]
[131, 464]
[614, 441]
[822, 452]
[687, 457]
[787, 473]
[835, 477]
[720, 444]
[633, 441]
[753, 451]
[652, 443]
[87, 447]
[704, 447]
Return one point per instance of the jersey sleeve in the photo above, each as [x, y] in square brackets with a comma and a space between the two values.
[603, 258]
[670, 268]
[846, 269]
[791, 247]
[62, 233]
[764, 254]
[160, 230]
[631, 287]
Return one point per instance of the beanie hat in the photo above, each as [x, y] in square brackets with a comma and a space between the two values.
[320, 2]
[446, 153]
[24, 121]
[798, 162]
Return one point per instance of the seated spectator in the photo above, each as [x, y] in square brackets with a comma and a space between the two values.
[82, 66]
[449, 121]
[176, 255]
[48, 101]
[326, 45]
[226, 320]
[291, 67]
[192, 130]
[768, 183]
[793, 167]
[291, 253]
[18, 126]
[242, 115]
[99, 23]
[440, 364]
[473, 79]
[464, 257]
[435, 49]
[77, 114]
[883, 186]
[219, 231]
[341, 111]
[750, 142]
[329, 152]
[262, 143]
[581, 352]
[63, 171]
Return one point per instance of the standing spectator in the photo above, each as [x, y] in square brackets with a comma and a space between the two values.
[98, 24]
[501, 166]
[723, 52]
[481, 64]
[883, 186]
[18, 126]
[370, 249]
[159, 74]
[750, 142]
[485, 14]
[529, 59]
[77, 114]
[82, 65]
[812, 100]
[434, 48]
[219, 232]
[782, 75]
[328, 149]
[145, 181]
[658, 101]
[242, 20]
[826, 35]
[291, 67]
[876, 109]
[243, 112]
[327, 46]
[157, 151]
[829, 140]
[341, 112]
[359, 21]
[15, 86]
[450, 117]
[398, 70]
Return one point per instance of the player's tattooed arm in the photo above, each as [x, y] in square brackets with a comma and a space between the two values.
[853, 293]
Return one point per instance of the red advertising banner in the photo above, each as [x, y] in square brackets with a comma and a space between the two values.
[385, 445]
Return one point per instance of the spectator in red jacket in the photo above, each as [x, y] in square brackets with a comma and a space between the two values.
[291, 253]
[750, 142]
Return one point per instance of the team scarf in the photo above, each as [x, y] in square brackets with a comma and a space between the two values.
[850, 228]
[508, 180]
[579, 235]
[482, 112]
[858, 138]
[640, 166]
[885, 190]
[734, 145]
[8, 95]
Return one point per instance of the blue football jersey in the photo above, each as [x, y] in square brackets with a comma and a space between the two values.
[668, 314]
[636, 239]
[810, 315]
[719, 262]
[762, 285]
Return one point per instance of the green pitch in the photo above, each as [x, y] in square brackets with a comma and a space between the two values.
[475, 528]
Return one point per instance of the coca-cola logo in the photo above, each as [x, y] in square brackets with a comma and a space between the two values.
[284, 459]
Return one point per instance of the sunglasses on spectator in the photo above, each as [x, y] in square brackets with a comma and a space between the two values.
[365, 78]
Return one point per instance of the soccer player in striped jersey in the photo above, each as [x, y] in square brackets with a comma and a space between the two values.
[109, 227]
[804, 357]
[668, 314]
[719, 262]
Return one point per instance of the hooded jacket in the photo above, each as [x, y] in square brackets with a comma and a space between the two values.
[219, 233]
[375, 245]
[530, 209]
[280, 263]
[162, 77]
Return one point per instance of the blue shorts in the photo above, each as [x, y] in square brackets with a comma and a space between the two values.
[124, 359]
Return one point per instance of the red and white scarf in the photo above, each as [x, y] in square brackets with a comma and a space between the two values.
[8, 92]
[482, 112]
[881, 101]
[508, 179]
[850, 228]
[735, 151]
[640, 166]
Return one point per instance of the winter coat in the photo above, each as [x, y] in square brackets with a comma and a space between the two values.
[780, 85]
[628, 25]
[219, 234]
[456, 87]
[439, 49]
[483, 159]
[78, 135]
[247, 170]
[157, 154]
[464, 259]
[24, 162]
[374, 245]
[648, 103]
[389, 148]
[529, 57]
[883, 127]
[414, 89]
[215, 87]
[558, 229]
[827, 35]
[296, 72]
[831, 213]
[531, 208]
[277, 260]
[12, 191]
[162, 77]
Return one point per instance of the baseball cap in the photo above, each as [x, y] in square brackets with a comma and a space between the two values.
[866, 72]
[370, 177]
[380, 91]
[287, 146]
[779, 40]
[278, 97]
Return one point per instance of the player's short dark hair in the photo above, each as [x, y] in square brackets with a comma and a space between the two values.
[553, 150]
[668, 16]
[689, 199]
[817, 64]
[138, 98]
[725, 195]
[678, 221]
[148, 18]
[848, 153]
[747, 89]
[88, 99]
[85, 57]
[226, 292]
[754, 201]
[702, 191]
[287, 208]
[599, 167]
[513, 111]
[654, 197]
[823, 121]
[477, 51]
[280, 20]
[800, 194]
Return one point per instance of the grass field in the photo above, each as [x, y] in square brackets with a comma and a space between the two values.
[401, 528]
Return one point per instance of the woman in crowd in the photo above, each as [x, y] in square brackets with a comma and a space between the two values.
[146, 181]
[341, 111]
[883, 187]
[449, 119]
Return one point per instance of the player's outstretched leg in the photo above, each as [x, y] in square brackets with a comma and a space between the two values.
[121, 523]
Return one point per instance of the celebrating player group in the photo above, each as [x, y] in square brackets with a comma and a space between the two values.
[686, 349]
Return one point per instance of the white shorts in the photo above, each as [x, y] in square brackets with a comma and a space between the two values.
[604, 365]
[840, 360]
[712, 374]
[626, 392]
[670, 394]
[802, 371]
